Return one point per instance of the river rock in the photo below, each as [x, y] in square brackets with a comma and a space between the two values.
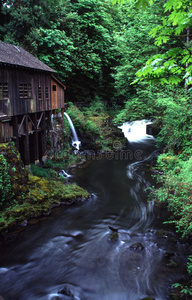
[66, 291]
[114, 236]
[113, 229]
[168, 254]
[162, 233]
[23, 224]
[137, 246]
[172, 264]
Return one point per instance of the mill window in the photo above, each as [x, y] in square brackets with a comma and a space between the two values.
[54, 87]
[4, 90]
[46, 93]
[39, 93]
[25, 91]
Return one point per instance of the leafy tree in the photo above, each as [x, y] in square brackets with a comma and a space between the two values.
[87, 53]
[56, 50]
[176, 124]
[172, 66]
[135, 46]
[76, 38]
[24, 17]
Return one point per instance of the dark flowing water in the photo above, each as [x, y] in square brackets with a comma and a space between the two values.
[70, 255]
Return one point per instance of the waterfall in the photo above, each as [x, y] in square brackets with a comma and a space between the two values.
[64, 174]
[75, 141]
[136, 131]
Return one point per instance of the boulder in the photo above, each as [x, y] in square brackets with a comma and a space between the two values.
[66, 291]
[168, 254]
[114, 236]
[172, 264]
[137, 246]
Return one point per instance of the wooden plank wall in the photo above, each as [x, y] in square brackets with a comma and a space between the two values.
[6, 131]
[38, 80]
[27, 110]
[57, 95]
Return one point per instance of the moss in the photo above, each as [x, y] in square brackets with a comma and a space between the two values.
[114, 236]
[42, 195]
[33, 195]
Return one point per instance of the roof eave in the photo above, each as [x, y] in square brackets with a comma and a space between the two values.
[27, 68]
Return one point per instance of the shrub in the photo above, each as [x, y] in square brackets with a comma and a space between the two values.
[39, 171]
[82, 123]
[176, 128]
[176, 190]
[5, 182]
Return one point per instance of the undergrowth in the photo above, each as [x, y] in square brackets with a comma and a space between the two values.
[176, 190]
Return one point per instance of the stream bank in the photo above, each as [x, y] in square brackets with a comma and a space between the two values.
[30, 196]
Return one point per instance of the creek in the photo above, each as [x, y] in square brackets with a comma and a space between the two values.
[71, 255]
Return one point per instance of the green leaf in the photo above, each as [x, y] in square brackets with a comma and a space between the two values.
[142, 3]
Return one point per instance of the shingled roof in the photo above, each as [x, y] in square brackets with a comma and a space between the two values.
[17, 56]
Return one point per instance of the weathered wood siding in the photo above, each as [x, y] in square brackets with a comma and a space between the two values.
[57, 95]
[6, 131]
[28, 98]
[28, 91]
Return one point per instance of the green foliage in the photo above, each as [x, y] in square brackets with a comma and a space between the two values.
[56, 50]
[79, 39]
[134, 45]
[183, 290]
[82, 124]
[75, 38]
[176, 128]
[5, 182]
[39, 171]
[172, 64]
[41, 196]
[176, 190]
[150, 103]
[186, 289]
[189, 265]
[95, 108]
[23, 17]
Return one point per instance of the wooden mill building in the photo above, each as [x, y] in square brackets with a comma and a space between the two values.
[29, 95]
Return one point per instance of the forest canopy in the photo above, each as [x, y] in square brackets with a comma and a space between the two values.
[128, 55]
[95, 47]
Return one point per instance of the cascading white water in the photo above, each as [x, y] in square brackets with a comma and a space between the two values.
[64, 174]
[136, 131]
[75, 141]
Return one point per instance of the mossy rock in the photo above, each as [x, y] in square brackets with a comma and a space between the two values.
[172, 264]
[137, 246]
[16, 167]
[33, 195]
[114, 236]
[168, 254]
[162, 233]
